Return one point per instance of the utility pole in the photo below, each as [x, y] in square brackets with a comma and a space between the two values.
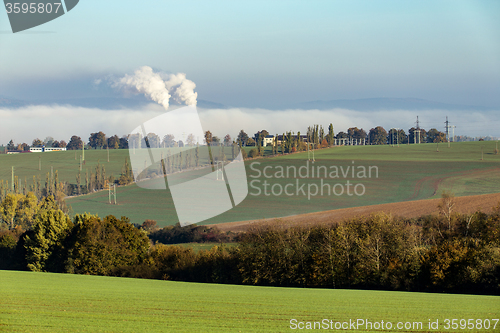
[447, 127]
[417, 131]
[397, 136]
[308, 158]
[114, 187]
[12, 181]
[314, 141]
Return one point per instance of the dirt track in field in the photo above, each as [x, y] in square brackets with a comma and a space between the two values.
[408, 209]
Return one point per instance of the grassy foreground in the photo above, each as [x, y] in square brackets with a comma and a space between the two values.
[46, 302]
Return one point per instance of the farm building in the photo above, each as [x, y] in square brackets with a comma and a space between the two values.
[268, 140]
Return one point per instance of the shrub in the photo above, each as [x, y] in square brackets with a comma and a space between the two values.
[99, 247]
[189, 234]
[253, 153]
[149, 225]
[44, 244]
[8, 244]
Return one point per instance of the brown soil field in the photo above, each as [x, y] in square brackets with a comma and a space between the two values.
[408, 209]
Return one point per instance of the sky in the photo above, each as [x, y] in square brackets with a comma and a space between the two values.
[253, 55]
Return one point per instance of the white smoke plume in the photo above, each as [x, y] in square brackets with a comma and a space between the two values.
[181, 89]
[159, 87]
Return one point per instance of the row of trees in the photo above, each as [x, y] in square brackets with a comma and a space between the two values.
[97, 140]
[448, 252]
[95, 180]
[452, 253]
[315, 134]
[48, 142]
[86, 245]
[319, 137]
[288, 142]
[20, 192]
[379, 136]
[86, 182]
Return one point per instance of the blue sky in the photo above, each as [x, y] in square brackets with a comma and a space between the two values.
[256, 57]
[265, 53]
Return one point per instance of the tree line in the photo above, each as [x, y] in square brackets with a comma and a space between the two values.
[315, 134]
[96, 140]
[86, 182]
[449, 252]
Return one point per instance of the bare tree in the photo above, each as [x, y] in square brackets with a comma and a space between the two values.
[446, 206]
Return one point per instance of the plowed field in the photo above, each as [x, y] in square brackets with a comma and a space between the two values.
[466, 204]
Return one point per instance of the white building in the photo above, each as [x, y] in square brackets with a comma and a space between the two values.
[45, 149]
[268, 140]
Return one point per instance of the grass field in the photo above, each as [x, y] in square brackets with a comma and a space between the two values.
[405, 173]
[67, 163]
[46, 302]
[408, 172]
[197, 247]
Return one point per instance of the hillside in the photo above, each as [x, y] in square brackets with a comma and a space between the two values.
[465, 205]
[405, 174]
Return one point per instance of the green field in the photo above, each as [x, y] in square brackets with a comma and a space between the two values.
[67, 163]
[405, 173]
[47, 302]
[197, 247]
[408, 172]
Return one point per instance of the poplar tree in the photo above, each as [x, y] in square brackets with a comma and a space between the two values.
[330, 134]
[97, 178]
[78, 181]
[39, 186]
[87, 182]
[197, 155]
[283, 144]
